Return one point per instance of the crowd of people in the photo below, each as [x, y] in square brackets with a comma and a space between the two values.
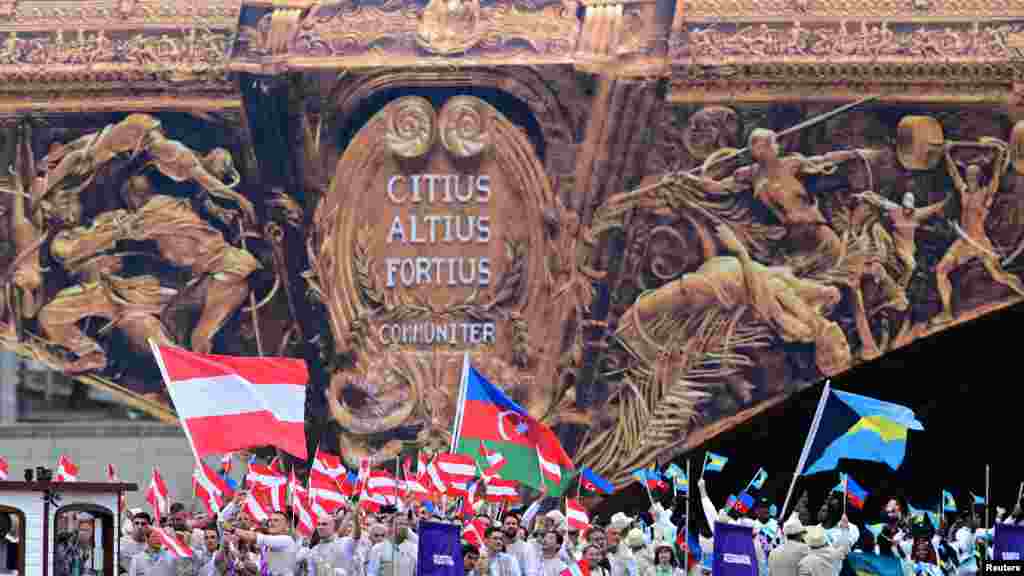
[355, 542]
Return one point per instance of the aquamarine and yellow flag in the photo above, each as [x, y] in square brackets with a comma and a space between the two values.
[858, 428]
[863, 564]
[714, 462]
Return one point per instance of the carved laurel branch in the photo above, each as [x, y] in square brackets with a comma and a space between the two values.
[379, 305]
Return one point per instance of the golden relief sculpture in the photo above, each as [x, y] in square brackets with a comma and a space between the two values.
[395, 348]
[746, 279]
[796, 9]
[195, 47]
[43, 14]
[449, 26]
[203, 235]
[866, 40]
[366, 34]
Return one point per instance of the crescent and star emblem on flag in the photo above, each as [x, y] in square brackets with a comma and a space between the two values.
[519, 428]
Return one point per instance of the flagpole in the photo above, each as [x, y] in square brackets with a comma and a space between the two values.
[988, 492]
[1020, 492]
[807, 446]
[704, 466]
[167, 384]
[463, 386]
[686, 520]
[846, 491]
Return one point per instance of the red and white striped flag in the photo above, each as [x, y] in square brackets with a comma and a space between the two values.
[576, 515]
[253, 507]
[67, 471]
[5, 469]
[473, 499]
[499, 490]
[264, 477]
[474, 531]
[364, 474]
[301, 509]
[413, 485]
[158, 496]
[172, 544]
[325, 489]
[457, 470]
[549, 467]
[122, 501]
[436, 483]
[210, 488]
[216, 396]
[495, 462]
[382, 482]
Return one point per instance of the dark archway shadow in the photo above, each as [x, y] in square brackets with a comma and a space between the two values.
[14, 516]
[104, 518]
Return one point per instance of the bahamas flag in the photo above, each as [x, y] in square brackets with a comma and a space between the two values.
[533, 454]
[863, 564]
[932, 517]
[978, 500]
[678, 477]
[948, 503]
[714, 462]
[857, 428]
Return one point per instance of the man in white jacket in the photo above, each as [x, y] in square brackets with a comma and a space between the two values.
[277, 548]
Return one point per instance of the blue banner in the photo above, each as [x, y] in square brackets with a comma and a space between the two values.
[440, 550]
[1008, 542]
[863, 564]
[734, 551]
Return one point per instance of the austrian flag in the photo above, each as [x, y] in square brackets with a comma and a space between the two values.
[576, 515]
[217, 396]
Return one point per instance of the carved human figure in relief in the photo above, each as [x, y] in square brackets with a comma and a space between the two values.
[182, 236]
[183, 239]
[774, 181]
[975, 202]
[709, 129]
[905, 220]
[794, 307]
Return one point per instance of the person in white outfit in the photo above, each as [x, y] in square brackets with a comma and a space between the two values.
[278, 550]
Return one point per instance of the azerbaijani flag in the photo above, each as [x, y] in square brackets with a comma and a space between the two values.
[533, 454]
[744, 503]
[650, 478]
[593, 482]
[855, 494]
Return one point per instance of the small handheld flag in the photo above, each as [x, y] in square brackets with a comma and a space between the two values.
[855, 494]
[650, 478]
[759, 479]
[678, 477]
[948, 503]
[714, 462]
[744, 503]
[978, 500]
[593, 482]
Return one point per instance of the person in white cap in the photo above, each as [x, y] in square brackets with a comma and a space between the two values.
[820, 559]
[785, 559]
[641, 557]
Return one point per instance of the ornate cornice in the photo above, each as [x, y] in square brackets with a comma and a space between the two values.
[809, 10]
[141, 46]
[36, 15]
